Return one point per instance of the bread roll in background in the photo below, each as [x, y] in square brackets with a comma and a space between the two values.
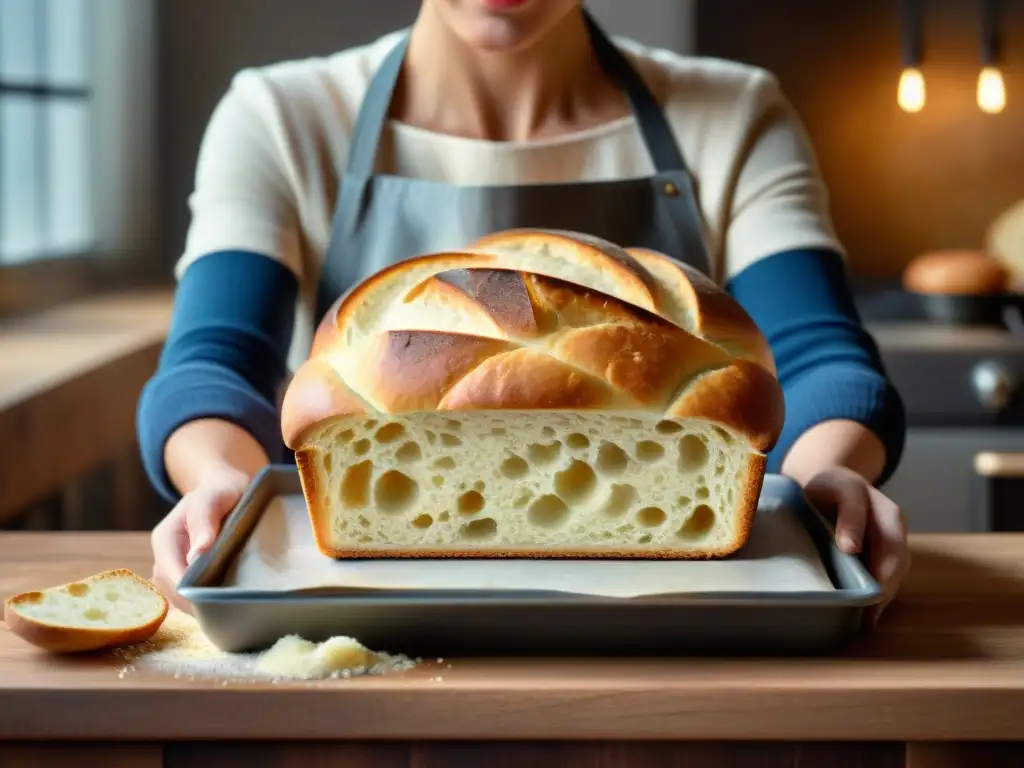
[1004, 242]
[539, 394]
[956, 273]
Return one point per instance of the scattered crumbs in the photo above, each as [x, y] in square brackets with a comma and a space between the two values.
[179, 648]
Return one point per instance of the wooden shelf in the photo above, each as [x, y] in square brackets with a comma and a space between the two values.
[69, 382]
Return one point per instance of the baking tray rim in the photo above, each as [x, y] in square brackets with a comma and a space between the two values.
[192, 589]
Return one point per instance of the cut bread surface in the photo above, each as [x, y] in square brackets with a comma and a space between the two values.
[526, 340]
[529, 484]
[111, 608]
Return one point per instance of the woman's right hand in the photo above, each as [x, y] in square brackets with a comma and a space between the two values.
[192, 526]
[211, 462]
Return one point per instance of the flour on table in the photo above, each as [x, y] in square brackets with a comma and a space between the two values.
[180, 648]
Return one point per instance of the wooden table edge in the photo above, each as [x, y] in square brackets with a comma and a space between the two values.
[327, 713]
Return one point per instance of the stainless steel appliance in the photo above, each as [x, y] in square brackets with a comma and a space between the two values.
[963, 466]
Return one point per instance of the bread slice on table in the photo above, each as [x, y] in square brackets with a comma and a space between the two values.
[540, 394]
[109, 609]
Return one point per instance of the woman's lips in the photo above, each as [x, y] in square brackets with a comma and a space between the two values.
[504, 5]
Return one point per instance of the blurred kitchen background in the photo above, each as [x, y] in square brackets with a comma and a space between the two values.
[103, 104]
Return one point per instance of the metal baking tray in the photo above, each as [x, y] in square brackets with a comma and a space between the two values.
[446, 623]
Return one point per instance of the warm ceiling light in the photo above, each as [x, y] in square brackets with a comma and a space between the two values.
[910, 94]
[991, 91]
[991, 88]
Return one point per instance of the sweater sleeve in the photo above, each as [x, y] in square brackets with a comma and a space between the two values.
[828, 365]
[225, 356]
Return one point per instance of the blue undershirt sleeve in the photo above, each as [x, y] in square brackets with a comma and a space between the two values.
[828, 364]
[225, 355]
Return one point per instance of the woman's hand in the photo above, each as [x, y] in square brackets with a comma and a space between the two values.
[211, 462]
[192, 526]
[866, 521]
[836, 462]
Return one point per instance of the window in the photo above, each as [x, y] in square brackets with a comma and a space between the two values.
[45, 130]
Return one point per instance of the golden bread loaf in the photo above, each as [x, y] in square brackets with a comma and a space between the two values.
[539, 394]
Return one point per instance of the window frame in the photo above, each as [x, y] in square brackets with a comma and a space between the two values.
[123, 100]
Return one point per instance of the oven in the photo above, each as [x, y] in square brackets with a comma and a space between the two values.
[963, 466]
[961, 480]
[1001, 488]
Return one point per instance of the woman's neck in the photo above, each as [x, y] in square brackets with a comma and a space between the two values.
[553, 87]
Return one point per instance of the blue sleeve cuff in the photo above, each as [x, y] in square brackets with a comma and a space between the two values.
[189, 392]
[828, 365]
[843, 391]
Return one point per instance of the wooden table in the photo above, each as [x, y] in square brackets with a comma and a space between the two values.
[940, 684]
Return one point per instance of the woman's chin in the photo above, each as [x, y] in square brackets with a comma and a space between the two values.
[498, 35]
[503, 25]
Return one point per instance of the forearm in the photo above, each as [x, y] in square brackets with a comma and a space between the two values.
[835, 443]
[211, 445]
[841, 410]
[212, 402]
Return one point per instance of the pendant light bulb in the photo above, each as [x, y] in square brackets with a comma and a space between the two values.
[991, 91]
[911, 92]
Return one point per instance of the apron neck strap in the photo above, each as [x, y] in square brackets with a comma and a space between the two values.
[657, 133]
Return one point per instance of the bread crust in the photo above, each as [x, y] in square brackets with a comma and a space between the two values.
[526, 380]
[315, 394]
[64, 639]
[739, 396]
[348, 305]
[644, 362]
[326, 331]
[635, 283]
[500, 294]
[716, 316]
[415, 370]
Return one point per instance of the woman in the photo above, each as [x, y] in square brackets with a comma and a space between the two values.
[491, 114]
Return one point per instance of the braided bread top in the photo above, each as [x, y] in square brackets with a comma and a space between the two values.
[539, 319]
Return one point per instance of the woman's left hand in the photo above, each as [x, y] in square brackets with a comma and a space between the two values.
[866, 521]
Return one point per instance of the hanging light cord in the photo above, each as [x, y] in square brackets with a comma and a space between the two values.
[990, 33]
[912, 36]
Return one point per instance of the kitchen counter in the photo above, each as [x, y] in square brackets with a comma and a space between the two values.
[941, 683]
[69, 381]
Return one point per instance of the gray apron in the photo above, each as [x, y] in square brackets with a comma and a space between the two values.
[382, 219]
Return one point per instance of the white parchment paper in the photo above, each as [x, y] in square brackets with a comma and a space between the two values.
[282, 556]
